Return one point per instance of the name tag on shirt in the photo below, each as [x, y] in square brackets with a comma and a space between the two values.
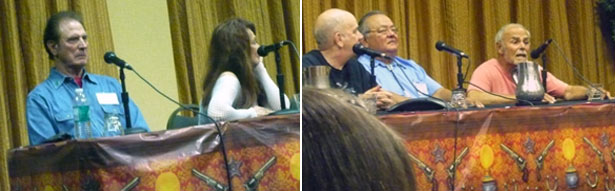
[107, 99]
[422, 87]
[407, 94]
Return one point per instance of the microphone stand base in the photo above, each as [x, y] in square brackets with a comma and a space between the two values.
[134, 130]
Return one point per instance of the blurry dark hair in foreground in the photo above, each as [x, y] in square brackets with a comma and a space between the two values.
[345, 148]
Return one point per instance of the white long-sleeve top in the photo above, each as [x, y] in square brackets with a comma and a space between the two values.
[227, 92]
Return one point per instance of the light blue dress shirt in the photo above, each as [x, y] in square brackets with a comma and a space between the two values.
[402, 77]
[49, 107]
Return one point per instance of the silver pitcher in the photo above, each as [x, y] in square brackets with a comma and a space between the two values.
[529, 86]
[317, 76]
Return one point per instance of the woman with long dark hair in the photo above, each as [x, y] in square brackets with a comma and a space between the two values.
[237, 85]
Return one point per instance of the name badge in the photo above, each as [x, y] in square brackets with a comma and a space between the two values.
[407, 94]
[107, 99]
[422, 87]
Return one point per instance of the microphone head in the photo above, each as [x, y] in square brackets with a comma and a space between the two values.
[535, 54]
[262, 51]
[440, 45]
[109, 56]
[357, 49]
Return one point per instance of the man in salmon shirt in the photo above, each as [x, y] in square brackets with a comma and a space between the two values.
[495, 75]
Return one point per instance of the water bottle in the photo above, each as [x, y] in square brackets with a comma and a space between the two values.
[458, 100]
[81, 115]
[113, 126]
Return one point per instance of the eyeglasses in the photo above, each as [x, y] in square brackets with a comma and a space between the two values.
[383, 30]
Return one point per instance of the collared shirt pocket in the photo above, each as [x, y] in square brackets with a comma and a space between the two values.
[113, 109]
[64, 119]
[64, 116]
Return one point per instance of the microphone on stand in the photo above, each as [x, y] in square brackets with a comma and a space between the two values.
[265, 49]
[442, 46]
[111, 58]
[197, 113]
[359, 49]
[536, 52]
[460, 55]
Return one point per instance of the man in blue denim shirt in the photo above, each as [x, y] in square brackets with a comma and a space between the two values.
[49, 109]
[403, 77]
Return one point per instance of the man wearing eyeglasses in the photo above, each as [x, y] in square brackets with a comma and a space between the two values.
[336, 32]
[400, 76]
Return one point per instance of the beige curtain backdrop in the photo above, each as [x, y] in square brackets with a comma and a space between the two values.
[24, 62]
[470, 25]
[192, 24]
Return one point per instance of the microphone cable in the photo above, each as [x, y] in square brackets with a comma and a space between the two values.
[498, 95]
[608, 84]
[446, 104]
[456, 137]
[576, 72]
[448, 107]
[457, 121]
[465, 74]
[216, 123]
[294, 47]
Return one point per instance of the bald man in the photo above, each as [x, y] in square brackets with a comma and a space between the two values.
[512, 42]
[336, 32]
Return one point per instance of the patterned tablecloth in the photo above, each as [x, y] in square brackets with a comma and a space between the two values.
[263, 155]
[513, 148]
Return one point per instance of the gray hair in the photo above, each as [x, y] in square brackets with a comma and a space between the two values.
[363, 29]
[498, 36]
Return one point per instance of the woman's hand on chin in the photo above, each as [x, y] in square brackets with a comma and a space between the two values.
[262, 111]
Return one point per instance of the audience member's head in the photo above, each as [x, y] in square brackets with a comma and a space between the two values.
[345, 148]
[233, 49]
[379, 32]
[512, 42]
